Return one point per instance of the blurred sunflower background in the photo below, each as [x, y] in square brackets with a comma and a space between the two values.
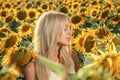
[95, 38]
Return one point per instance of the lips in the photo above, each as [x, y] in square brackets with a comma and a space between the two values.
[68, 39]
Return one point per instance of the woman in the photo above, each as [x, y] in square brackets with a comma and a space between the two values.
[52, 40]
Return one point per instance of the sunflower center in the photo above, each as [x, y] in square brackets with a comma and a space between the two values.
[81, 41]
[89, 42]
[3, 13]
[0, 4]
[119, 10]
[94, 3]
[11, 41]
[29, 5]
[2, 33]
[38, 3]
[8, 19]
[102, 33]
[116, 18]
[50, 3]
[75, 6]
[7, 6]
[108, 6]
[44, 6]
[64, 10]
[21, 15]
[94, 13]
[82, 10]
[32, 14]
[76, 19]
[105, 14]
[25, 28]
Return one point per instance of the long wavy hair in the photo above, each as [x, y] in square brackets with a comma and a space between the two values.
[47, 32]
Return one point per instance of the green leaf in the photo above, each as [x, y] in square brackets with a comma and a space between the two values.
[55, 67]
[118, 37]
[118, 48]
[83, 73]
[73, 77]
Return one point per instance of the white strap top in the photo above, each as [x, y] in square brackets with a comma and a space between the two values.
[54, 76]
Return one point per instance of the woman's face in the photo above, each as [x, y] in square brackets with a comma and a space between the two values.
[66, 34]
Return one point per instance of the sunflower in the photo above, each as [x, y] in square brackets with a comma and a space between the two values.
[25, 29]
[8, 19]
[21, 15]
[116, 41]
[29, 5]
[89, 43]
[1, 4]
[32, 14]
[75, 5]
[16, 8]
[10, 41]
[89, 40]
[8, 5]
[94, 13]
[77, 43]
[117, 1]
[52, 5]
[4, 32]
[64, 9]
[104, 14]
[115, 19]
[93, 72]
[76, 32]
[110, 59]
[66, 1]
[102, 33]
[38, 3]
[94, 3]
[4, 13]
[118, 10]
[109, 6]
[10, 73]
[76, 21]
[83, 10]
[113, 65]
[33, 54]
[44, 6]
[20, 56]
[19, 2]
[85, 41]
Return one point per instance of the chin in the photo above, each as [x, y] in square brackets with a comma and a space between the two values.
[66, 44]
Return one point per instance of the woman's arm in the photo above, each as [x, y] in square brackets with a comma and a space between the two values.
[29, 71]
[76, 60]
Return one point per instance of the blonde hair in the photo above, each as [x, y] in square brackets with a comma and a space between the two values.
[47, 32]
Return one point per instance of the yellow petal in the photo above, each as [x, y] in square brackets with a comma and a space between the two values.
[109, 61]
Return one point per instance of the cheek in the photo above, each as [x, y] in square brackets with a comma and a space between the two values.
[61, 39]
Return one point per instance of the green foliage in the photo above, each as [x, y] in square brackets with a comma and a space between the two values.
[55, 67]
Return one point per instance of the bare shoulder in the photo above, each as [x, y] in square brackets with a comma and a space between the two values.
[76, 60]
[29, 65]
[29, 71]
[74, 56]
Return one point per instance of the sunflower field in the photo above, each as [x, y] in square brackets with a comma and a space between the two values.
[95, 36]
